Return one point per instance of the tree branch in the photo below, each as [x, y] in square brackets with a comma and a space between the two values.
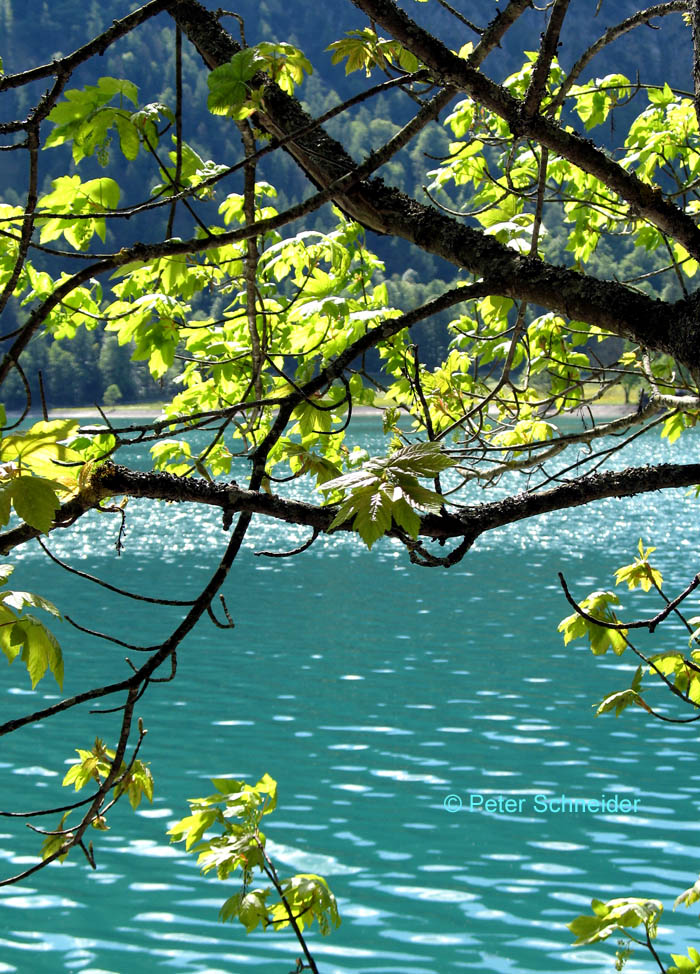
[614, 307]
[465, 521]
[448, 68]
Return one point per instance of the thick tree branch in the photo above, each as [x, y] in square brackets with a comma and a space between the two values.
[453, 70]
[548, 50]
[497, 29]
[610, 35]
[614, 307]
[463, 521]
[695, 21]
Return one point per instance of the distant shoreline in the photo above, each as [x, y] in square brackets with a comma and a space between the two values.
[599, 412]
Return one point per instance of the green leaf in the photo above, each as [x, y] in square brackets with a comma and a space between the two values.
[249, 908]
[85, 118]
[20, 600]
[689, 896]
[192, 827]
[406, 517]
[35, 501]
[613, 917]
[384, 490]
[374, 515]
[661, 96]
[41, 650]
[228, 84]
[71, 196]
[421, 459]
[43, 443]
[29, 638]
[54, 843]
[685, 965]
[129, 141]
[597, 605]
[309, 898]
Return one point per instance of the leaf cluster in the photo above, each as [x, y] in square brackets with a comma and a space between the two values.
[616, 916]
[385, 491]
[135, 781]
[34, 472]
[238, 808]
[365, 49]
[230, 89]
[25, 636]
[680, 671]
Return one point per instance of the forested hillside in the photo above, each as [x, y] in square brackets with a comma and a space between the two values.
[94, 367]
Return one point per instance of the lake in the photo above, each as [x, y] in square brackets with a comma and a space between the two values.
[372, 690]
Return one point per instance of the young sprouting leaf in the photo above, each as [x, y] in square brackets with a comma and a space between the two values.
[640, 572]
[600, 637]
[685, 965]
[54, 843]
[689, 896]
[622, 699]
[309, 898]
[695, 634]
[365, 49]
[683, 671]
[83, 771]
[303, 461]
[40, 649]
[191, 828]
[96, 765]
[136, 782]
[386, 489]
[248, 907]
[614, 916]
[146, 120]
[284, 63]
[240, 848]
[237, 808]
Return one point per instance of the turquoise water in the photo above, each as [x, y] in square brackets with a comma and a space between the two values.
[371, 690]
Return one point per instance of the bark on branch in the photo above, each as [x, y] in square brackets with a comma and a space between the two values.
[450, 69]
[467, 522]
[660, 326]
